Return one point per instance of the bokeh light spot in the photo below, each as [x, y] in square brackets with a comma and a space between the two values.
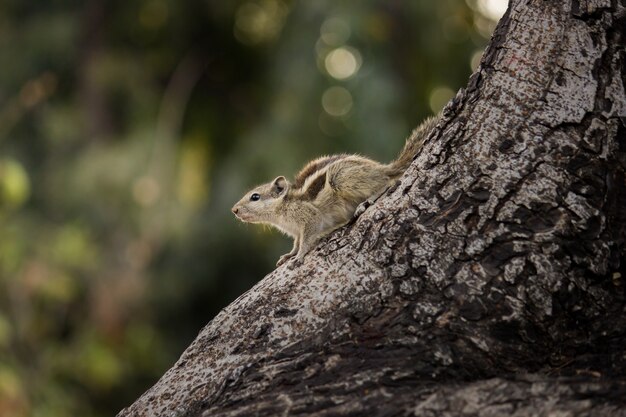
[492, 9]
[259, 21]
[475, 59]
[14, 184]
[335, 31]
[342, 63]
[439, 96]
[337, 101]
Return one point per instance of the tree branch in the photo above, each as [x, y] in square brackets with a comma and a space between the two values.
[499, 254]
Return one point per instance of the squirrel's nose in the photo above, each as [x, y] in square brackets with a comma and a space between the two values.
[234, 210]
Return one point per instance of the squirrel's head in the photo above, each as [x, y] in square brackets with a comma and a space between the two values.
[259, 205]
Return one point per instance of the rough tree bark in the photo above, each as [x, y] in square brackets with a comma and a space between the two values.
[491, 280]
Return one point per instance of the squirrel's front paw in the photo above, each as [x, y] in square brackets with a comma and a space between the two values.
[296, 263]
[284, 259]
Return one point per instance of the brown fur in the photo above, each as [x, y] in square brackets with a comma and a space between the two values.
[413, 144]
[315, 186]
[314, 166]
[325, 193]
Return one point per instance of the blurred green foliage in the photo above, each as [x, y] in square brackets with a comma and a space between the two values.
[129, 128]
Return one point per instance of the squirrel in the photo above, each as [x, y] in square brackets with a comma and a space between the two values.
[325, 194]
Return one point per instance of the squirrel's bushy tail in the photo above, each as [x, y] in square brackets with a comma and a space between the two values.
[412, 145]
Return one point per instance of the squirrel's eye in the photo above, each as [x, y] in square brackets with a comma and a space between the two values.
[255, 197]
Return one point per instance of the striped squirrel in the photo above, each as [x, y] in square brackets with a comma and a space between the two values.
[325, 194]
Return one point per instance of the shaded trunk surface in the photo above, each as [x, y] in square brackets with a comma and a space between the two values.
[491, 280]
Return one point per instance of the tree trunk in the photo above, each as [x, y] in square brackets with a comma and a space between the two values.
[491, 280]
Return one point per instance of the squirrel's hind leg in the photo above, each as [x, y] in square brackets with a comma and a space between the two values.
[371, 200]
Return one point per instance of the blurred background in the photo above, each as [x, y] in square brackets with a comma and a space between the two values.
[129, 128]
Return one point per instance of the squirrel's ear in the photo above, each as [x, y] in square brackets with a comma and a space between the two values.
[279, 185]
